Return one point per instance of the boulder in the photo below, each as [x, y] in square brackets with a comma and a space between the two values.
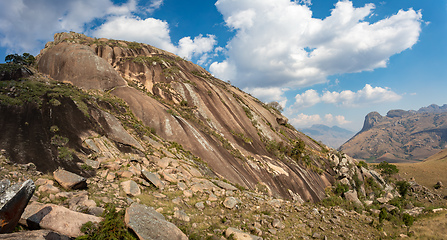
[34, 235]
[181, 215]
[69, 180]
[230, 202]
[149, 224]
[240, 235]
[153, 178]
[56, 218]
[131, 188]
[13, 200]
[351, 196]
[225, 185]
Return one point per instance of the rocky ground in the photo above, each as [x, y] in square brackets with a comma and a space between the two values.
[167, 186]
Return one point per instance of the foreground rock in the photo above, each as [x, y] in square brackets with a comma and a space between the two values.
[149, 224]
[34, 235]
[56, 218]
[240, 235]
[13, 200]
[69, 180]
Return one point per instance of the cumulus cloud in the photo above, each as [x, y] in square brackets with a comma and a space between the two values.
[347, 98]
[26, 24]
[278, 42]
[302, 120]
[268, 94]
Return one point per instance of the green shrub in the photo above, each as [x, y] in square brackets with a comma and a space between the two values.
[362, 164]
[340, 189]
[387, 169]
[112, 227]
[402, 188]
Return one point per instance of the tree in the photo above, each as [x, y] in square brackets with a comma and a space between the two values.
[408, 221]
[387, 169]
[275, 105]
[24, 59]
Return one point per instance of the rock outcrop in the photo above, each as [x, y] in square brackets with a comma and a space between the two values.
[235, 135]
[149, 224]
[13, 200]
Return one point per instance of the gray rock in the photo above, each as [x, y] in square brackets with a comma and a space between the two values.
[181, 215]
[351, 196]
[200, 205]
[131, 188]
[69, 180]
[278, 224]
[240, 235]
[149, 224]
[153, 178]
[13, 200]
[225, 185]
[56, 218]
[230, 202]
[34, 235]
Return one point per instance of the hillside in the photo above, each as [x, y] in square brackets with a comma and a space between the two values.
[333, 137]
[163, 150]
[400, 136]
[170, 101]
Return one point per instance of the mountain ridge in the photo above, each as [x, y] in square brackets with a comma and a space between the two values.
[400, 135]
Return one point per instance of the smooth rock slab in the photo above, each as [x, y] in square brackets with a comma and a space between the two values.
[69, 180]
[13, 200]
[225, 185]
[149, 224]
[131, 188]
[56, 218]
[230, 202]
[240, 235]
[154, 179]
[34, 235]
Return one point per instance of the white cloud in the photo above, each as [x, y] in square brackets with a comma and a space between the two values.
[149, 30]
[198, 46]
[303, 120]
[26, 24]
[347, 98]
[269, 94]
[278, 42]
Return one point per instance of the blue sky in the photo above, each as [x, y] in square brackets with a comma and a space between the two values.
[326, 62]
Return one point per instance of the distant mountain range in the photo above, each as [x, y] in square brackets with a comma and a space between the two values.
[331, 136]
[400, 135]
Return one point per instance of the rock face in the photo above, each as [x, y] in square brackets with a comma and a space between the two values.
[400, 135]
[79, 65]
[223, 126]
[34, 235]
[69, 180]
[13, 200]
[149, 224]
[56, 218]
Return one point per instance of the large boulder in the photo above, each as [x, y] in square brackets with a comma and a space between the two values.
[69, 180]
[79, 65]
[240, 235]
[56, 218]
[149, 224]
[34, 235]
[13, 200]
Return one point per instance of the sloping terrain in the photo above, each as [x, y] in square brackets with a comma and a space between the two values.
[400, 136]
[331, 136]
[233, 134]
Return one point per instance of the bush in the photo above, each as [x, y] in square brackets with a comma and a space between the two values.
[362, 164]
[340, 189]
[402, 187]
[387, 169]
[112, 227]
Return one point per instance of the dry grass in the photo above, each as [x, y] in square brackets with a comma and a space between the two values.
[428, 172]
[433, 226]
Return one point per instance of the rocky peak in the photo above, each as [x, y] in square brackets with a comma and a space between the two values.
[371, 120]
